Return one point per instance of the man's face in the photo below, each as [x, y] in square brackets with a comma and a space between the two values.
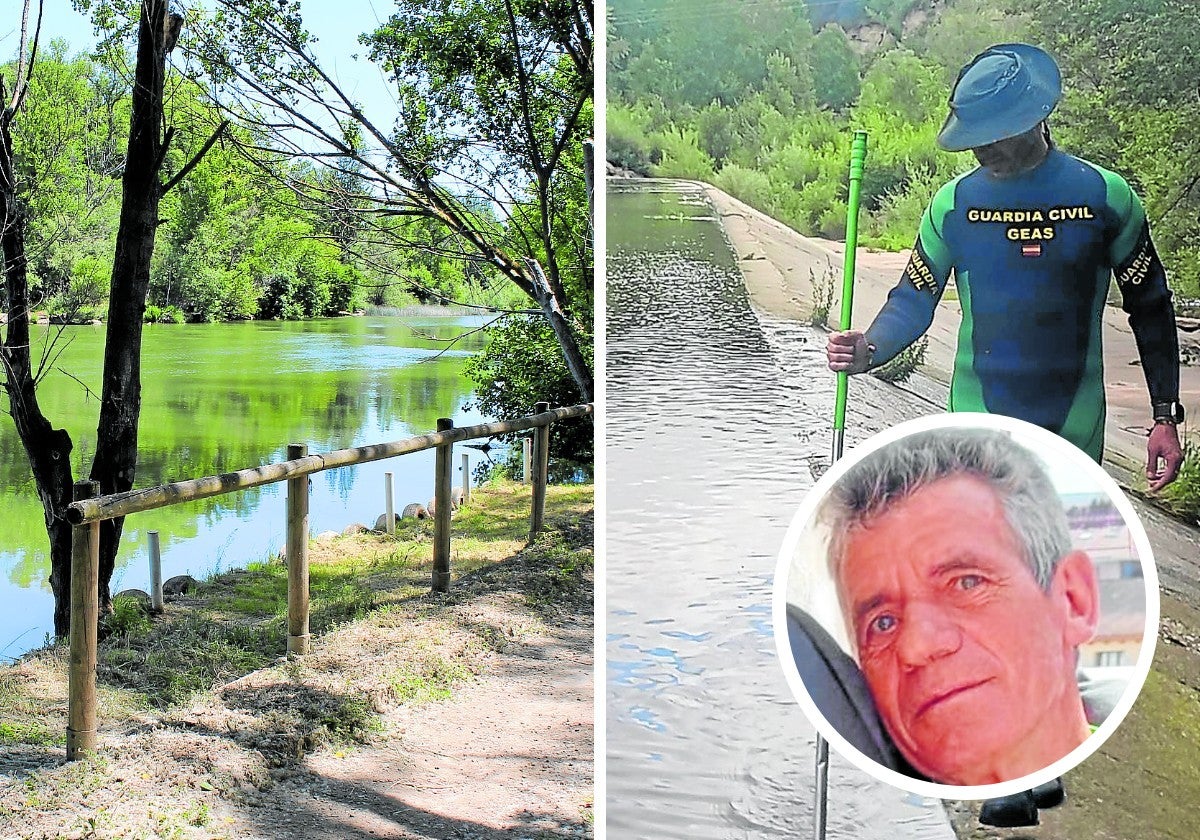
[1014, 155]
[970, 661]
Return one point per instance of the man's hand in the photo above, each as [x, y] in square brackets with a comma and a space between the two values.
[847, 351]
[1163, 445]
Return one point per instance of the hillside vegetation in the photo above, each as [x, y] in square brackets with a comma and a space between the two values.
[760, 99]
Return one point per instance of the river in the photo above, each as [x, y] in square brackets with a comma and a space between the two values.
[715, 413]
[221, 397]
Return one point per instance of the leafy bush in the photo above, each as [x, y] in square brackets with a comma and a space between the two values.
[522, 366]
[748, 185]
[682, 156]
[163, 314]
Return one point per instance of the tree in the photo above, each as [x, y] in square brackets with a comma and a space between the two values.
[491, 93]
[65, 153]
[1130, 80]
[834, 68]
[47, 448]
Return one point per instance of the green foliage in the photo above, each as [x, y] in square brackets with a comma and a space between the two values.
[902, 86]
[163, 314]
[523, 366]
[903, 364]
[715, 132]
[128, 618]
[627, 143]
[822, 295]
[834, 68]
[963, 30]
[748, 185]
[1183, 495]
[891, 13]
[680, 155]
[894, 226]
[232, 245]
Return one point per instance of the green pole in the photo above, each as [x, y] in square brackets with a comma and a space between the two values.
[858, 154]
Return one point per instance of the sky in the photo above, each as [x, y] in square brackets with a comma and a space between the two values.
[336, 23]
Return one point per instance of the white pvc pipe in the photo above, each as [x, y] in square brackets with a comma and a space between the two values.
[466, 485]
[389, 503]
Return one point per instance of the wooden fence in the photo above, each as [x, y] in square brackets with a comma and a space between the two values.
[88, 510]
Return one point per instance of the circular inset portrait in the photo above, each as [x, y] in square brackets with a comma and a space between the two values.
[966, 606]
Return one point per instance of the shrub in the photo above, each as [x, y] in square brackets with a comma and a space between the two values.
[900, 368]
[523, 365]
[822, 291]
[748, 185]
[682, 156]
[1183, 496]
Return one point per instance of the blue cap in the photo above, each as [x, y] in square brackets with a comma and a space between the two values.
[1004, 91]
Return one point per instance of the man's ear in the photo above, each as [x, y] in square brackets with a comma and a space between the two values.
[1075, 592]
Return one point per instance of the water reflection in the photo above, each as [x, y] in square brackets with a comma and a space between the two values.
[221, 397]
[712, 414]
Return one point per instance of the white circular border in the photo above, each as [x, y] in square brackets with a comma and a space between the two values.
[1035, 435]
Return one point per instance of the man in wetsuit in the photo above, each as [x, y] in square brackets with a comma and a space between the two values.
[1032, 235]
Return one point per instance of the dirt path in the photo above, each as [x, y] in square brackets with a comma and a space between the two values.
[508, 756]
[467, 715]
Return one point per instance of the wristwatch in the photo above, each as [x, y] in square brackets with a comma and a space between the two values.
[1167, 412]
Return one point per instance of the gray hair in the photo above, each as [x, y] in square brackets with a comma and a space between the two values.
[1031, 505]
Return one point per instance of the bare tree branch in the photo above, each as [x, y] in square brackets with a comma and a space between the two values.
[191, 164]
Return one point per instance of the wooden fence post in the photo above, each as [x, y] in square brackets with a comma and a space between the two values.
[541, 468]
[441, 512]
[156, 592]
[85, 613]
[297, 555]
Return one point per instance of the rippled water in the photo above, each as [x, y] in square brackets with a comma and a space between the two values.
[714, 413]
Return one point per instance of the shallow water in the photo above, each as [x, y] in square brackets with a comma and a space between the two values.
[714, 414]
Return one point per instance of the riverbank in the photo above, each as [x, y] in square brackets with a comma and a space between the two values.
[466, 715]
[1142, 781]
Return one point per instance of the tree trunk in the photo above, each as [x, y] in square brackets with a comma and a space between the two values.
[121, 398]
[581, 372]
[48, 449]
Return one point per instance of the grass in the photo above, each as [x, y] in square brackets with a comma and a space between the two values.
[430, 678]
[237, 622]
[1183, 495]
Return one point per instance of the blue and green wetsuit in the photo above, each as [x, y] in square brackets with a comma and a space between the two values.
[1032, 256]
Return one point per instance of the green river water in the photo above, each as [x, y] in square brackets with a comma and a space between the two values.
[222, 397]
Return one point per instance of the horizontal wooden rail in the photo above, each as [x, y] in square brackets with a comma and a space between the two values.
[88, 510]
[135, 501]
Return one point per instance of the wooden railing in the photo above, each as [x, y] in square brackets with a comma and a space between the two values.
[89, 509]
